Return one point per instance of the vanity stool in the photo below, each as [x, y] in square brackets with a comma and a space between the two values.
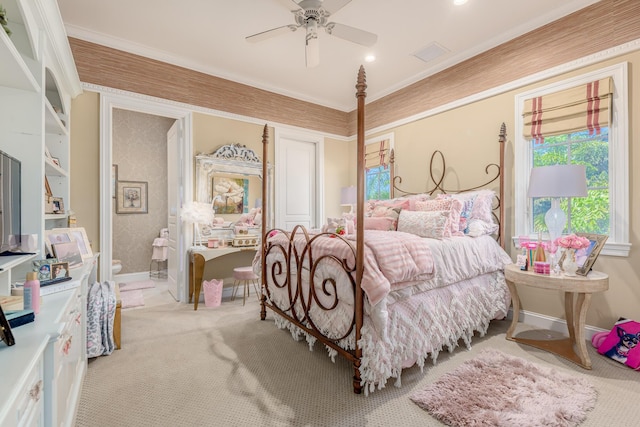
[243, 276]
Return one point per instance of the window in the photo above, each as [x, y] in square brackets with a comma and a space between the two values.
[606, 208]
[378, 169]
[584, 214]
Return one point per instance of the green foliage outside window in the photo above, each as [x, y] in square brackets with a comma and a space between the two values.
[585, 214]
[378, 183]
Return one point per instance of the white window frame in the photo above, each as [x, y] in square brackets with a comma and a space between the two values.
[618, 243]
[377, 140]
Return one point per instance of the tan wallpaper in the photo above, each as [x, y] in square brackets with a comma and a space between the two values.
[140, 151]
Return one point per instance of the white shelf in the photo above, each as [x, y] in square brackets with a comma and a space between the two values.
[51, 169]
[14, 72]
[52, 122]
[48, 217]
[9, 261]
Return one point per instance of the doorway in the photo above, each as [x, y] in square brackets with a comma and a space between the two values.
[157, 199]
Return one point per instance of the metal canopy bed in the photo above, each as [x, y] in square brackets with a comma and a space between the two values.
[386, 311]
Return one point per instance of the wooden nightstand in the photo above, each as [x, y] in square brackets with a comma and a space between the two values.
[577, 296]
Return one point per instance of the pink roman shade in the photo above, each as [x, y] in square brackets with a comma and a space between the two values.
[582, 107]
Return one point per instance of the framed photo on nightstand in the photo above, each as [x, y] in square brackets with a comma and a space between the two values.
[586, 257]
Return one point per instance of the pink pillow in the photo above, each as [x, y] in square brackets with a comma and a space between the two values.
[453, 206]
[380, 223]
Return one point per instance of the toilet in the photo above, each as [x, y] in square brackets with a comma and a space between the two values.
[116, 266]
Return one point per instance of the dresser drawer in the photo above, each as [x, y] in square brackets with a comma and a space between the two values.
[28, 407]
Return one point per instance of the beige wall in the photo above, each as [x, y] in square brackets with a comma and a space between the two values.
[468, 138]
[85, 164]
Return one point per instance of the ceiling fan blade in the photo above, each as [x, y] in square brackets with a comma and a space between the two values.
[332, 6]
[270, 33]
[352, 34]
[312, 47]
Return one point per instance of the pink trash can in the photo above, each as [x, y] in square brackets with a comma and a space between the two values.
[212, 292]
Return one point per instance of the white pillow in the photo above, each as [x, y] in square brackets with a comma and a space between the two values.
[431, 224]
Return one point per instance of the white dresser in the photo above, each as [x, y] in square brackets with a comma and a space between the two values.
[42, 373]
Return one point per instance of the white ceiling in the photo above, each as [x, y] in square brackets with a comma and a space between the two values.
[209, 36]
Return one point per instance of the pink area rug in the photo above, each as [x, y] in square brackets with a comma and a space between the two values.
[133, 298]
[496, 389]
[142, 284]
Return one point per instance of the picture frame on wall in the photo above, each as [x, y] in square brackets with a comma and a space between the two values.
[131, 197]
[586, 257]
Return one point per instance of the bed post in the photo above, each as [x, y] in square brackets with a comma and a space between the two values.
[265, 206]
[502, 139]
[361, 86]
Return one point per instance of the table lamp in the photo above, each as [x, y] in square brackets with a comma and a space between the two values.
[555, 182]
[348, 197]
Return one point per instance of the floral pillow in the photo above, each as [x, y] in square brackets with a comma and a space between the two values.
[431, 224]
[452, 206]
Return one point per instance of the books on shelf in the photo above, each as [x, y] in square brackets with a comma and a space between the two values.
[19, 317]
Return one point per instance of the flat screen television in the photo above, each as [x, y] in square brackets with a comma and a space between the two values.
[10, 203]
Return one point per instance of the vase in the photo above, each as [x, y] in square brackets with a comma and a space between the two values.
[569, 264]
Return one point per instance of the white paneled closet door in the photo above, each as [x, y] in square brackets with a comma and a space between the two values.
[297, 182]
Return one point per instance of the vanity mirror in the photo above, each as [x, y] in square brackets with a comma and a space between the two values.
[230, 180]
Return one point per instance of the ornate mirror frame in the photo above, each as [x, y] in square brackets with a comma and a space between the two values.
[234, 159]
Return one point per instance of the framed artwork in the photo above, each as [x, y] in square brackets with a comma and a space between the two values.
[131, 197]
[68, 252]
[114, 179]
[43, 268]
[55, 236]
[5, 330]
[587, 256]
[77, 234]
[59, 269]
[58, 205]
[229, 195]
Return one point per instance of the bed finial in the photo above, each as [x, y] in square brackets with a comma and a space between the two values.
[361, 83]
[503, 133]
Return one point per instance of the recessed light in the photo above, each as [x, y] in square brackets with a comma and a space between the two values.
[459, 2]
[370, 58]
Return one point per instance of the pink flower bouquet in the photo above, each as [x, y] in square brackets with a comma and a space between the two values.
[573, 242]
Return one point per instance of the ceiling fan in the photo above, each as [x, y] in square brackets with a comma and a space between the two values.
[314, 14]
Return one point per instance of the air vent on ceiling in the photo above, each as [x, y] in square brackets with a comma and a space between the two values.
[430, 52]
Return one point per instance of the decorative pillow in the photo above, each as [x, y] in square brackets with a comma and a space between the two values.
[372, 205]
[431, 224]
[467, 200]
[451, 205]
[380, 223]
[333, 223]
[478, 227]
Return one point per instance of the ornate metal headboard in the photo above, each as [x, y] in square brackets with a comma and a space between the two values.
[493, 170]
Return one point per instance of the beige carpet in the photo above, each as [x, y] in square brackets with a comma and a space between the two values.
[225, 367]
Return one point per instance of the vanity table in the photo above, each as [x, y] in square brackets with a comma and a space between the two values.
[198, 256]
[240, 165]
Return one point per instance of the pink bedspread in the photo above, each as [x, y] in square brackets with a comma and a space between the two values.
[389, 258]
